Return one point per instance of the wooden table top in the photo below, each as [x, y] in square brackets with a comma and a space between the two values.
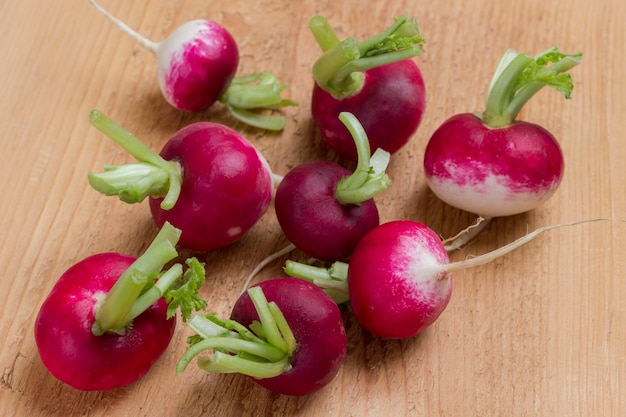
[539, 332]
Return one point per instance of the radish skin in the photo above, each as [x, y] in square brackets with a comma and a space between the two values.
[208, 181]
[491, 164]
[323, 208]
[399, 279]
[196, 66]
[110, 316]
[375, 80]
[284, 333]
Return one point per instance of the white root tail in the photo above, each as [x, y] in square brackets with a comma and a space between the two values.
[136, 36]
[490, 256]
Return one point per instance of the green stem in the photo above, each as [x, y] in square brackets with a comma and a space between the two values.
[114, 313]
[369, 177]
[149, 297]
[152, 176]
[518, 77]
[339, 69]
[237, 349]
[223, 363]
[323, 33]
[257, 91]
[333, 280]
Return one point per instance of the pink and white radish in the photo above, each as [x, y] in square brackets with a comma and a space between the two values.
[196, 66]
[208, 181]
[284, 333]
[375, 80]
[323, 208]
[110, 316]
[399, 279]
[489, 163]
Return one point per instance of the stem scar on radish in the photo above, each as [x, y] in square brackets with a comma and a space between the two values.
[284, 333]
[399, 279]
[323, 208]
[196, 66]
[110, 316]
[208, 180]
[374, 79]
[491, 164]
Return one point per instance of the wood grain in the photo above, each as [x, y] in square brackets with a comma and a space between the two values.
[539, 332]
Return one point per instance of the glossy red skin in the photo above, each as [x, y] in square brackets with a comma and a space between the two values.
[463, 152]
[316, 323]
[395, 289]
[312, 217]
[202, 69]
[226, 188]
[390, 106]
[66, 344]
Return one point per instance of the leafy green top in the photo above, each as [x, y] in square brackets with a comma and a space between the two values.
[519, 76]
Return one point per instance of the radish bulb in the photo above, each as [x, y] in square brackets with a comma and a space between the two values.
[375, 80]
[399, 279]
[196, 66]
[110, 316]
[491, 164]
[208, 181]
[285, 333]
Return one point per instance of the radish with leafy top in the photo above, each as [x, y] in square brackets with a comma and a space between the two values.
[110, 316]
[208, 181]
[323, 208]
[491, 164]
[284, 333]
[375, 80]
[196, 66]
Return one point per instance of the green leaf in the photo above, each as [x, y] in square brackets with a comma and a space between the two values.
[184, 294]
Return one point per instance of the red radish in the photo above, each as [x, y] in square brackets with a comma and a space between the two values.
[324, 209]
[196, 65]
[399, 279]
[106, 321]
[375, 80]
[208, 181]
[491, 164]
[285, 333]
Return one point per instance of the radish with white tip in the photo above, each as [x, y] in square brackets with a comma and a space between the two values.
[196, 65]
[399, 279]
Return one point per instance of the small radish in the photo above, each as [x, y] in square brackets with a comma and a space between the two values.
[489, 163]
[324, 209]
[284, 333]
[196, 65]
[208, 181]
[375, 80]
[399, 279]
[110, 316]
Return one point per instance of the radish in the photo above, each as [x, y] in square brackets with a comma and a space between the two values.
[208, 181]
[399, 279]
[110, 316]
[489, 163]
[323, 208]
[196, 66]
[284, 333]
[375, 80]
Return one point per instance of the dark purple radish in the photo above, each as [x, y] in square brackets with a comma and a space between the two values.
[489, 163]
[208, 181]
[110, 316]
[323, 208]
[375, 80]
[399, 279]
[284, 333]
[196, 66]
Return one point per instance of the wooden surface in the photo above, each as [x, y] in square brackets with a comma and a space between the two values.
[539, 332]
